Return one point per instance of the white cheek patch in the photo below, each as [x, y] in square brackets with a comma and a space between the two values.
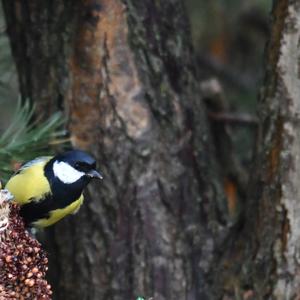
[66, 173]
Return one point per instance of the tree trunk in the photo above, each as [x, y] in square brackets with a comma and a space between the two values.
[274, 208]
[125, 75]
[264, 261]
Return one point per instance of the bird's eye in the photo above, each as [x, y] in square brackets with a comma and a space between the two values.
[81, 166]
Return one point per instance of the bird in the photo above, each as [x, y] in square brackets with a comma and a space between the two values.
[49, 188]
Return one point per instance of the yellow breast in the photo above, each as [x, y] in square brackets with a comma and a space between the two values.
[57, 214]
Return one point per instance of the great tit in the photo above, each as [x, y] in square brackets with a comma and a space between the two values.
[49, 188]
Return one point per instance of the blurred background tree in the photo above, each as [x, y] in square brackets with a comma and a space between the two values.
[229, 38]
[9, 89]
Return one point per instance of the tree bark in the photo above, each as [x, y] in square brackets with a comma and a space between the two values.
[125, 75]
[275, 263]
[264, 261]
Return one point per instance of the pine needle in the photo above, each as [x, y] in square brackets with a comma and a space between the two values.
[24, 140]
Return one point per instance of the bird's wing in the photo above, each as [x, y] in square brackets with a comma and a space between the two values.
[29, 182]
[33, 162]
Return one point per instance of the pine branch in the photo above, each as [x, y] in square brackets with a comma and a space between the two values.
[25, 139]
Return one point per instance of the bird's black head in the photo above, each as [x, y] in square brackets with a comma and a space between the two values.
[73, 166]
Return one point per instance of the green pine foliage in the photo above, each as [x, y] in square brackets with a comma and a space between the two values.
[25, 139]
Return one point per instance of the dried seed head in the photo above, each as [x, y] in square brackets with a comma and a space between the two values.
[23, 263]
[8, 258]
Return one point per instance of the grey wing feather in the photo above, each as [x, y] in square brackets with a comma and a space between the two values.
[33, 162]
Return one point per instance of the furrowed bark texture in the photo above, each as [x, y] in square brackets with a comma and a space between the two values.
[124, 72]
[40, 39]
[271, 236]
[281, 139]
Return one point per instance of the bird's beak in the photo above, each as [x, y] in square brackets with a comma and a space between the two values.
[94, 174]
